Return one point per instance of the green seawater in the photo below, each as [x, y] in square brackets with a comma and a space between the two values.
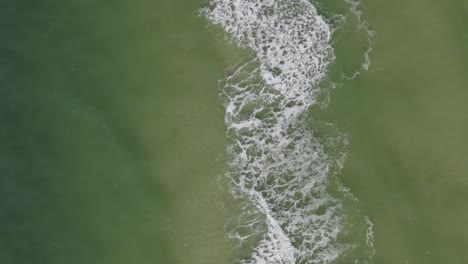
[111, 133]
[407, 120]
[112, 136]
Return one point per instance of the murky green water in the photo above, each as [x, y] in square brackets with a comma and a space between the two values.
[112, 134]
[408, 125]
[111, 131]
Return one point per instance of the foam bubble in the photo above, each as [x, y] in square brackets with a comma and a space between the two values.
[279, 168]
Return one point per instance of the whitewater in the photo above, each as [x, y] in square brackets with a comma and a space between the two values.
[280, 170]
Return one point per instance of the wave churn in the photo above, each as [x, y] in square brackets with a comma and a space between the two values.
[277, 166]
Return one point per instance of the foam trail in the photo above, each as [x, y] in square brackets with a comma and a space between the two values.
[370, 237]
[279, 168]
[354, 7]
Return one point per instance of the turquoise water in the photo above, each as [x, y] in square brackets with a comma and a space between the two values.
[116, 146]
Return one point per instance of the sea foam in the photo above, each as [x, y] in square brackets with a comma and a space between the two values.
[278, 167]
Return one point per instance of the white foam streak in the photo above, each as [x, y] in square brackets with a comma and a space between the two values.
[277, 165]
[370, 238]
[354, 7]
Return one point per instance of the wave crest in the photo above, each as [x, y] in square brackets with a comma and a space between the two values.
[279, 168]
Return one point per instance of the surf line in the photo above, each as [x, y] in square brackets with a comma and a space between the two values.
[278, 168]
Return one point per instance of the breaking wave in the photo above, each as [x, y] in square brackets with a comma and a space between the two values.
[281, 171]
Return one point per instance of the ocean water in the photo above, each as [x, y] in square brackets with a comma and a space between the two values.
[109, 153]
[233, 131]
